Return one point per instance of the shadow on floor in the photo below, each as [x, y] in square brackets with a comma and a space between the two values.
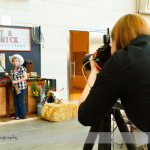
[10, 120]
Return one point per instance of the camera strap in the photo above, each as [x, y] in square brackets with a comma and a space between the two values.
[95, 54]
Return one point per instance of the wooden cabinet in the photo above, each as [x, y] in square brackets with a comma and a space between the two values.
[79, 41]
[2, 101]
[79, 47]
[6, 99]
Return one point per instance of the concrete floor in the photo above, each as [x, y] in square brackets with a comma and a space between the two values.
[40, 134]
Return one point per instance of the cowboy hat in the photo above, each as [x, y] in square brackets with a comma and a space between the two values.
[19, 57]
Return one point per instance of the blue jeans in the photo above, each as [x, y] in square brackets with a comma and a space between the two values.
[19, 105]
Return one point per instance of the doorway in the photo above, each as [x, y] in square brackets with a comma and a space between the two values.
[79, 47]
[80, 44]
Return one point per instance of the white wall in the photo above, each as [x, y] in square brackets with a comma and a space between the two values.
[56, 17]
[18, 10]
[95, 41]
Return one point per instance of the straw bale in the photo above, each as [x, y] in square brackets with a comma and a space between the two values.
[59, 112]
[144, 147]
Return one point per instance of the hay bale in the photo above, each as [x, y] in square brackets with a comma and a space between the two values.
[59, 112]
[144, 147]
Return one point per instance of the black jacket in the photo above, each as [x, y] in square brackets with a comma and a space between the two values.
[126, 75]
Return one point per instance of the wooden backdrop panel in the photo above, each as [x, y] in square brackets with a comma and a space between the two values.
[2, 101]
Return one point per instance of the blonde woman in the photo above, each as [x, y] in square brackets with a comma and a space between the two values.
[19, 76]
[126, 75]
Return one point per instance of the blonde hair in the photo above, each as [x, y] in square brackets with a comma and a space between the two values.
[14, 58]
[127, 28]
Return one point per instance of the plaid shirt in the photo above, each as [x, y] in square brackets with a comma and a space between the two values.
[18, 75]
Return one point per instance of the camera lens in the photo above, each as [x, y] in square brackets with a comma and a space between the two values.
[86, 59]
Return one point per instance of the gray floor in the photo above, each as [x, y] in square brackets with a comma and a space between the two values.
[43, 135]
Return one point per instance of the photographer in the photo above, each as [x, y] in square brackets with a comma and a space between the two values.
[125, 75]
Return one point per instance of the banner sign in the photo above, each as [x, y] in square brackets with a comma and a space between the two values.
[15, 39]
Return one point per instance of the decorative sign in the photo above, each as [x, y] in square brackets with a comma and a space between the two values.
[2, 61]
[15, 39]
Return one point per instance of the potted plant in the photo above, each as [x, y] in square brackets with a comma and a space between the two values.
[42, 94]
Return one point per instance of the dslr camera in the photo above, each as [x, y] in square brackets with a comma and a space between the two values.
[101, 55]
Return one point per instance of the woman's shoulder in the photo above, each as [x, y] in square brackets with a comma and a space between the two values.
[22, 68]
[118, 58]
[115, 63]
[120, 55]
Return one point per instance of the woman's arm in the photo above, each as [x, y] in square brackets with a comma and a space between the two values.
[91, 81]
[24, 74]
[96, 102]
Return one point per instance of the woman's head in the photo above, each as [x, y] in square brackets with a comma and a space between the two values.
[15, 61]
[16, 58]
[127, 28]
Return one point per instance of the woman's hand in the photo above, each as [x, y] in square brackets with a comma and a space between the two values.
[6, 74]
[15, 81]
[93, 65]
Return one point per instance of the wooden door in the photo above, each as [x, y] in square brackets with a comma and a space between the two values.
[79, 46]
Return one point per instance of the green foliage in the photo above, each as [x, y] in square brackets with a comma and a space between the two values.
[35, 90]
[43, 92]
[47, 86]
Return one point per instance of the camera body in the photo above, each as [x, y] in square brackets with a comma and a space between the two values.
[101, 55]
